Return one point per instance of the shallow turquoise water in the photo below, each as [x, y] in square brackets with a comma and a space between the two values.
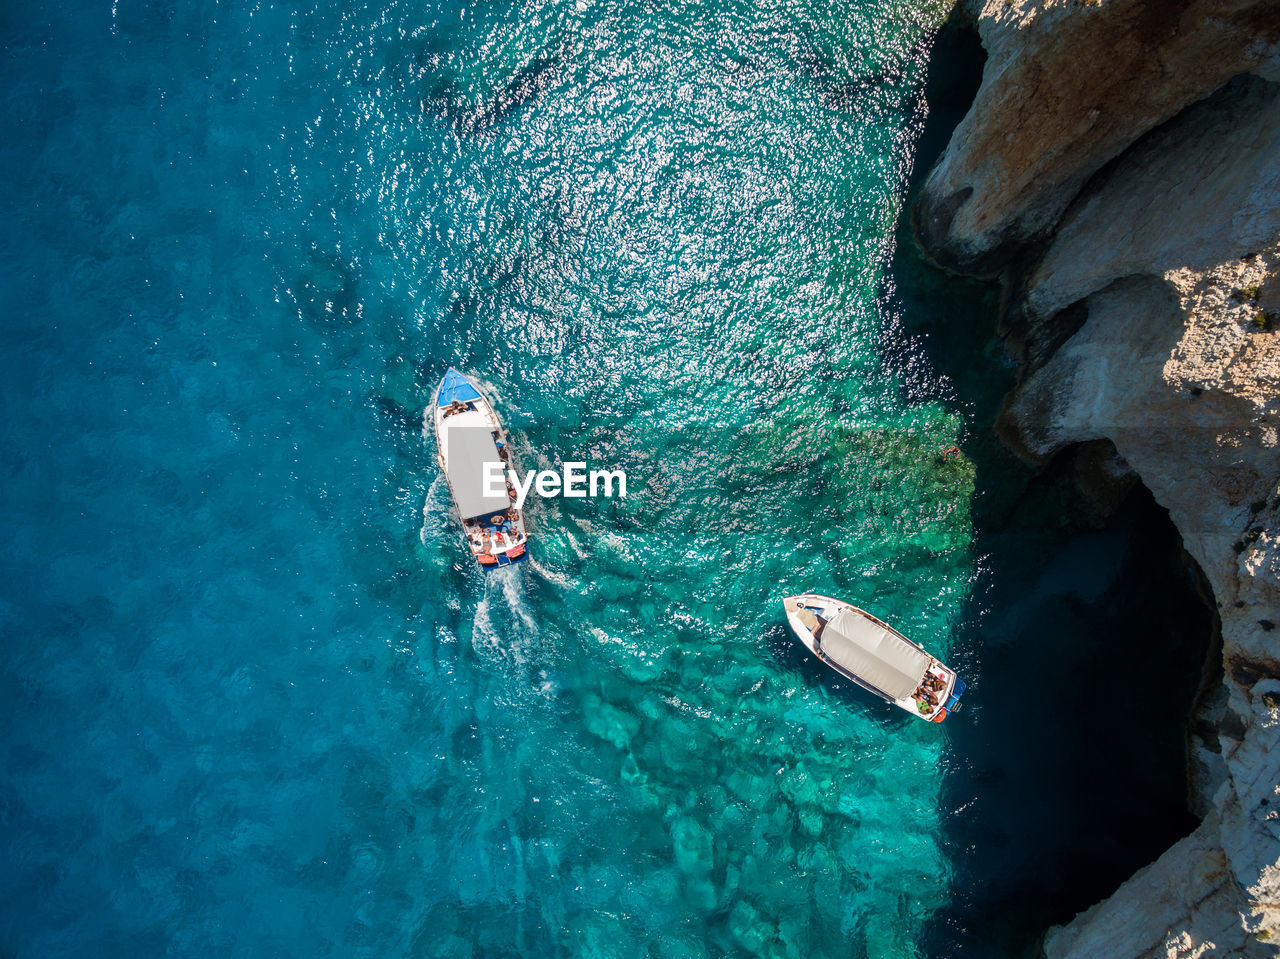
[259, 702]
[673, 268]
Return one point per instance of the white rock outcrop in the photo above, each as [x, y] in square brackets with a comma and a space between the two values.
[1068, 86]
[1121, 163]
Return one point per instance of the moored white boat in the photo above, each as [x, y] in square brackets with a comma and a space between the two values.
[473, 450]
[874, 655]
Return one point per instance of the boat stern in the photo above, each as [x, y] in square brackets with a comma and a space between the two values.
[953, 701]
[517, 553]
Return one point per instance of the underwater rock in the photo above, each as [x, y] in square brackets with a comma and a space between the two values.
[610, 723]
[402, 385]
[692, 844]
[749, 929]
[816, 857]
[406, 420]
[810, 822]
[873, 90]
[325, 292]
[694, 856]
[529, 82]
[799, 788]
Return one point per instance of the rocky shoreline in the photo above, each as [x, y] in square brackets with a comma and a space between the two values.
[1119, 170]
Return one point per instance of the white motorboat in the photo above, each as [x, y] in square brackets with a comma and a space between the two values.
[475, 455]
[874, 655]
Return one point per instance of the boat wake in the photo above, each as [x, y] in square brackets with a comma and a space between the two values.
[552, 576]
[512, 585]
[435, 511]
[503, 627]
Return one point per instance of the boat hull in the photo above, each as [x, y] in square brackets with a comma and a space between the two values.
[467, 428]
[806, 609]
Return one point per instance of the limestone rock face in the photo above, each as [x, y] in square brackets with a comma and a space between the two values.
[1187, 888]
[1125, 157]
[1068, 85]
[1214, 167]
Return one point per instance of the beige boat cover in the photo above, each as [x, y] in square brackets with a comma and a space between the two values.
[468, 449]
[874, 654]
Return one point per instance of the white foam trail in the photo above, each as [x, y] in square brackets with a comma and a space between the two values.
[503, 626]
[485, 635]
[550, 575]
[429, 421]
[513, 592]
[434, 516]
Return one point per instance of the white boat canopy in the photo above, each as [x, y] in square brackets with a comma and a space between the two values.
[874, 654]
[468, 448]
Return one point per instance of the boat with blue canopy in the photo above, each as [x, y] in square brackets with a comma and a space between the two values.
[474, 453]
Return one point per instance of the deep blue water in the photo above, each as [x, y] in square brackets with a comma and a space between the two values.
[256, 701]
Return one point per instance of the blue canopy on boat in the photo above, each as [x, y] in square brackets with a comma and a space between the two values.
[457, 387]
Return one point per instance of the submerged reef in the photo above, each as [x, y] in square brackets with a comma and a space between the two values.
[1119, 170]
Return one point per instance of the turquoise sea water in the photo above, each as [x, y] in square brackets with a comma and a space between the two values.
[258, 701]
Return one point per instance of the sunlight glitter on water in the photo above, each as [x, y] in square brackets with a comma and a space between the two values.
[659, 237]
[683, 234]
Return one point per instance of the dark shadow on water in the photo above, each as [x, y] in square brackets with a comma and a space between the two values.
[1083, 641]
[1067, 768]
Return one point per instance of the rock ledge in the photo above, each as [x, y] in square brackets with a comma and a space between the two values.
[1122, 158]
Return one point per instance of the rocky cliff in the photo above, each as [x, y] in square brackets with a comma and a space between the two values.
[1120, 169]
